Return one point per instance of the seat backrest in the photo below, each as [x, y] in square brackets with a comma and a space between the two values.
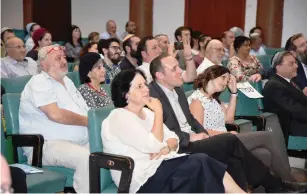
[20, 33]
[107, 87]
[70, 66]
[273, 51]
[95, 118]
[11, 102]
[74, 76]
[15, 84]
[225, 62]
[3, 141]
[188, 93]
[188, 86]
[265, 60]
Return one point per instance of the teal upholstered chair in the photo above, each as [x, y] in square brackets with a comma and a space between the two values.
[224, 63]
[273, 51]
[20, 33]
[74, 76]
[11, 104]
[187, 86]
[70, 66]
[15, 84]
[84, 41]
[46, 182]
[100, 177]
[265, 60]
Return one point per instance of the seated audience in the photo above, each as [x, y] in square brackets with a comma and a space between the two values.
[244, 66]
[258, 30]
[91, 47]
[93, 37]
[194, 43]
[238, 31]
[111, 50]
[227, 40]
[163, 43]
[16, 63]
[130, 29]
[202, 42]
[92, 74]
[30, 28]
[6, 33]
[13, 179]
[148, 48]
[256, 42]
[111, 31]
[297, 44]
[52, 106]
[130, 46]
[74, 44]
[283, 97]
[214, 55]
[154, 150]
[207, 109]
[41, 37]
[242, 165]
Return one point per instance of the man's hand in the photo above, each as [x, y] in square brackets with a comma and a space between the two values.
[163, 151]
[305, 91]
[187, 50]
[172, 143]
[198, 136]
[255, 78]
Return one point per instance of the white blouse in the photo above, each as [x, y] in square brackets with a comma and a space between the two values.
[214, 117]
[124, 133]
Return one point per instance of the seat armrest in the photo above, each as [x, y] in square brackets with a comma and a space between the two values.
[258, 121]
[113, 162]
[232, 127]
[26, 140]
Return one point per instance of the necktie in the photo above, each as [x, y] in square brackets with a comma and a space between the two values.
[294, 84]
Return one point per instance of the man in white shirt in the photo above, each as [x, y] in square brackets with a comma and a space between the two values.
[297, 44]
[149, 49]
[16, 63]
[111, 31]
[214, 55]
[256, 42]
[52, 106]
[228, 38]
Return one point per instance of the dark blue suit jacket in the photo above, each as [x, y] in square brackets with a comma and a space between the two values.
[301, 79]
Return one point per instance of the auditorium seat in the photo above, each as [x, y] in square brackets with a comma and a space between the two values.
[15, 84]
[273, 51]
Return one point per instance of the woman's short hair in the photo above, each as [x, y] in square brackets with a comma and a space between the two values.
[210, 73]
[121, 84]
[91, 37]
[239, 41]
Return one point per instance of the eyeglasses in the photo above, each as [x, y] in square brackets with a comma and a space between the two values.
[115, 48]
[56, 48]
[19, 47]
[220, 50]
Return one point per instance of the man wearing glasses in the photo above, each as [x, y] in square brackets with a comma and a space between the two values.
[52, 106]
[16, 63]
[213, 56]
[111, 50]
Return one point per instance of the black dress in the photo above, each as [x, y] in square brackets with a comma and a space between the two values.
[33, 54]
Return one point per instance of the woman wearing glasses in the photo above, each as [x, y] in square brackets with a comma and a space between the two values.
[244, 66]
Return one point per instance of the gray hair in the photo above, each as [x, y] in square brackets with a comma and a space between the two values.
[278, 58]
[42, 53]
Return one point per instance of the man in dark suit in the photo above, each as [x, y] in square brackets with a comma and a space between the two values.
[283, 97]
[297, 45]
[227, 148]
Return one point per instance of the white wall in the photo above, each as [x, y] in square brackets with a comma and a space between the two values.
[92, 15]
[250, 15]
[166, 21]
[12, 13]
[295, 15]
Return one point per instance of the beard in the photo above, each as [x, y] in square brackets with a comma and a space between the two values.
[302, 57]
[133, 54]
[114, 60]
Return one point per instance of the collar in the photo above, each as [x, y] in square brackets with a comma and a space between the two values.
[13, 61]
[287, 79]
[207, 61]
[146, 64]
[168, 93]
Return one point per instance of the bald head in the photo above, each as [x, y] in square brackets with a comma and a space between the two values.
[215, 51]
[111, 27]
[15, 48]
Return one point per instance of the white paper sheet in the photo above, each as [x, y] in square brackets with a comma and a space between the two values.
[248, 90]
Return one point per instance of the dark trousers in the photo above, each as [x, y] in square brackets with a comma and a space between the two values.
[242, 165]
[195, 173]
[19, 182]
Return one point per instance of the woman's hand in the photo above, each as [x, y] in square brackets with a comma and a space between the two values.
[154, 104]
[255, 78]
[232, 84]
[163, 151]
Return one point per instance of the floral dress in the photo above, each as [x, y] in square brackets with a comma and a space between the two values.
[242, 70]
[94, 99]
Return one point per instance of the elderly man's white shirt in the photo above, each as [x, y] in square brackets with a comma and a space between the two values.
[204, 65]
[42, 90]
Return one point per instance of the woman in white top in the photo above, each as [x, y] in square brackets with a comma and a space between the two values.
[207, 109]
[138, 132]
[30, 28]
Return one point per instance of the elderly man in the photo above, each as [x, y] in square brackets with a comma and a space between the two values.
[297, 44]
[6, 33]
[202, 42]
[16, 63]
[256, 42]
[163, 42]
[111, 31]
[228, 38]
[130, 47]
[213, 55]
[283, 97]
[149, 49]
[52, 106]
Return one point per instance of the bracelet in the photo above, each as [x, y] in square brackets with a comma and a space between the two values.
[236, 93]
